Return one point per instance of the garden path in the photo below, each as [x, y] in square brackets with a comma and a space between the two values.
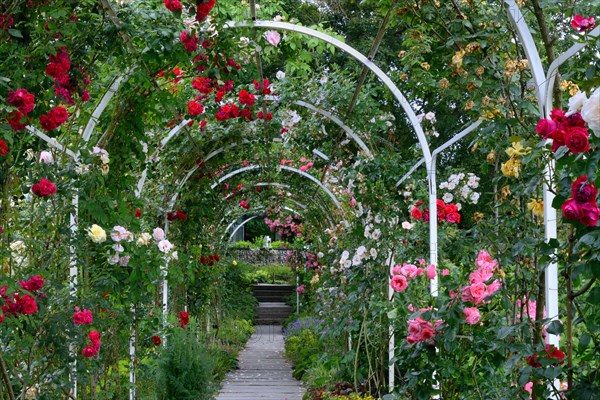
[263, 371]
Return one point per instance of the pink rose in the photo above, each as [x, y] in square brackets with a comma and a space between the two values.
[83, 317]
[493, 287]
[478, 291]
[431, 271]
[410, 271]
[590, 213]
[571, 210]
[545, 127]
[445, 272]
[399, 283]
[581, 24]
[273, 37]
[472, 315]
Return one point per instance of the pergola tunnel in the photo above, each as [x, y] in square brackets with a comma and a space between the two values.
[290, 199]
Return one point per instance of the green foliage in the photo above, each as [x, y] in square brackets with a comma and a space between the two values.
[184, 369]
[235, 332]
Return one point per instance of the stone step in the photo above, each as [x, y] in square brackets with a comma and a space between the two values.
[272, 293]
[272, 313]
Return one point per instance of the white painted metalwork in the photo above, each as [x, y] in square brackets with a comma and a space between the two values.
[349, 132]
[412, 117]
[294, 170]
[52, 142]
[544, 89]
[89, 128]
[443, 147]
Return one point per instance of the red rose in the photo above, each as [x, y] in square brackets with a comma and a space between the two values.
[83, 317]
[156, 340]
[553, 352]
[203, 9]
[55, 118]
[558, 139]
[416, 213]
[557, 115]
[194, 108]
[181, 215]
[3, 148]
[59, 64]
[138, 213]
[14, 119]
[43, 188]
[184, 319]
[190, 41]
[95, 338]
[571, 210]
[173, 5]
[583, 190]
[246, 98]
[545, 127]
[574, 120]
[89, 351]
[26, 304]
[34, 283]
[21, 99]
[590, 213]
[577, 140]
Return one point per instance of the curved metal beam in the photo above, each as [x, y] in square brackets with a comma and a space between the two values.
[349, 132]
[412, 117]
[290, 169]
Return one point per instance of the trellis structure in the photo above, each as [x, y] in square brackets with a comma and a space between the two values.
[544, 82]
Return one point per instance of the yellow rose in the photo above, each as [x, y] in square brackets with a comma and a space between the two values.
[234, 263]
[96, 233]
[518, 150]
[536, 206]
[511, 167]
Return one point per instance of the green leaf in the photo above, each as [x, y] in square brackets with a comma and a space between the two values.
[584, 341]
[594, 296]
[16, 33]
[555, 328]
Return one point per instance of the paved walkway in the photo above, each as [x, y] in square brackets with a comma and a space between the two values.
[263, 371]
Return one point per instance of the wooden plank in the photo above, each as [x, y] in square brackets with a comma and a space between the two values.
[264, 373]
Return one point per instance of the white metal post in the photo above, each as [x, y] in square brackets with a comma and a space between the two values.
[392, 340]
[73, 272]
[433, 222]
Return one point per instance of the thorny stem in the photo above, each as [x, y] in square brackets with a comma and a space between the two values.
[9, 388]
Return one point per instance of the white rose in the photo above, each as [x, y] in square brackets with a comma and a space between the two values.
[430, 116]
[447, 197]
[158, 234]
[590, 112]
[576, 102]
[46, 157]
[407, 225]
[356, 260]
[143, 239]
[165, 246]
[97, 234]
[376, 234]
[373, 253]
[280, 75]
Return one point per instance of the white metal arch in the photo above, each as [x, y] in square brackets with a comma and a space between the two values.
[349, 132]
[412, 117]
[290, 169]
[544, 83]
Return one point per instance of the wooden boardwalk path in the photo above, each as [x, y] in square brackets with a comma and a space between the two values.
[263, 371]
